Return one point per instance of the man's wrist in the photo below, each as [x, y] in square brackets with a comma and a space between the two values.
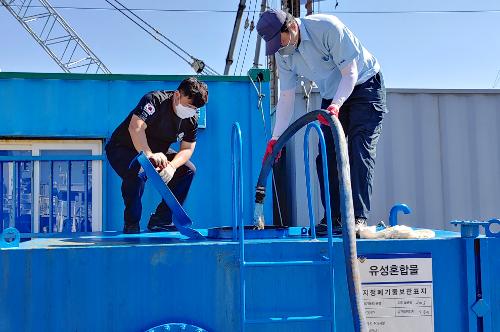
[172, 164]
[335, 104]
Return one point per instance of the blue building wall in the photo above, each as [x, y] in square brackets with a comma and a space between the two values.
[91, 106]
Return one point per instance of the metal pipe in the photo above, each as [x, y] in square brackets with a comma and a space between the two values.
[346, 204]
[236, 28]
[17, 197]
[32, 197]
[237, 177]
[51, 203]
[85, 194]
[238, 223]
[263, 6]
[329, 221]
[1, 195]
[312, 220]
[68, 195]
[393, 215]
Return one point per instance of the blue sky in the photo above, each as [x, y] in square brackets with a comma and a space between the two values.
[416, 50]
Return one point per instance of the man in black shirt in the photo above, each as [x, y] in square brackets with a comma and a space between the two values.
[160, 119]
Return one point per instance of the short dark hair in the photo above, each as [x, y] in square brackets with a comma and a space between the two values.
[195, 90]
[289, 20]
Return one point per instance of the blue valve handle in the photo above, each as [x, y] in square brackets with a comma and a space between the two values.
[179, 217]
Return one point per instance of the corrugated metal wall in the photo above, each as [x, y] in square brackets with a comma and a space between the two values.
[439, 153]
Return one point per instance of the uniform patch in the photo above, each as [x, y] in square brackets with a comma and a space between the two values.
[180, 137]
[149, 108]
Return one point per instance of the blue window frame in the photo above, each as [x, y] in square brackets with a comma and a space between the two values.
[48, 188]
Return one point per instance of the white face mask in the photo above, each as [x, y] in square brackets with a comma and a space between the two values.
[184, 112]
[288, 49]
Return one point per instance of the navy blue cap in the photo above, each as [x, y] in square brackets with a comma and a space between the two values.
[269, 28]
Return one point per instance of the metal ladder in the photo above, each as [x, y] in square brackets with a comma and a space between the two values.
[237, 180]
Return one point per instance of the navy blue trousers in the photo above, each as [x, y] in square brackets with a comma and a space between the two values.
[133, 186]
[361, 118]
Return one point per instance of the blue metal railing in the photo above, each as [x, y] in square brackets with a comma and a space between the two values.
[239, 222]
[237, 176]
[329, 221]
[346, 203]
[18, 195]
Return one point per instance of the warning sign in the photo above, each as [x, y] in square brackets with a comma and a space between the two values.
[397, 292]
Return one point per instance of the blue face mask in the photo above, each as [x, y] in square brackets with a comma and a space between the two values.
[289, 48]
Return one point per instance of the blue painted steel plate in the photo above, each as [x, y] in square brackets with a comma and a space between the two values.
[251, 232]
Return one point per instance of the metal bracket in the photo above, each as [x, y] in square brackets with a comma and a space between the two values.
[10, 238]
[488, 231]
[470, 228]
[259, 74]
[480, 308]
[198, 65]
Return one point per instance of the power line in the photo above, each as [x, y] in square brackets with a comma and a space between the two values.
[230, 11]
[472, 11]
[143, 9]
[497, 80]
[252, 26]
[247, 24]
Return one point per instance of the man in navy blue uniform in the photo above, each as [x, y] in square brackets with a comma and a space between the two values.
[160, 119]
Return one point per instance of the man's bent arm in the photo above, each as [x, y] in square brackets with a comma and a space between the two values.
[184, 154]
[137, 129]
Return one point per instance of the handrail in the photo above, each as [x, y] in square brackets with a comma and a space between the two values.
[324, 165]
[237, 177]
[238, 223]
[346, 204]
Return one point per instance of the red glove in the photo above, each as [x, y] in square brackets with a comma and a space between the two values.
[333, 109]
[269, 151]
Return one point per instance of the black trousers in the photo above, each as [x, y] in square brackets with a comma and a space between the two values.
[133, 187]
[361, 118]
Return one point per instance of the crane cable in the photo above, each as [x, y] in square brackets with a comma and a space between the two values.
[245, 27]
[252, 26]
[198, 65]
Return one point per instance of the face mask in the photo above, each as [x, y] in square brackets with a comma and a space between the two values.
[289, 49]
[184, 112]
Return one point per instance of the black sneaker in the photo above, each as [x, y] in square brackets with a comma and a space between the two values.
[322, 228]
[162, 228]
[131, 229]
[157, 224]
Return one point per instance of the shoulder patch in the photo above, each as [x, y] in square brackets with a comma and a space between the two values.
[180, 137]
[149, 108]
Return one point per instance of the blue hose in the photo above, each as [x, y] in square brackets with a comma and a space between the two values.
[346, 205]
